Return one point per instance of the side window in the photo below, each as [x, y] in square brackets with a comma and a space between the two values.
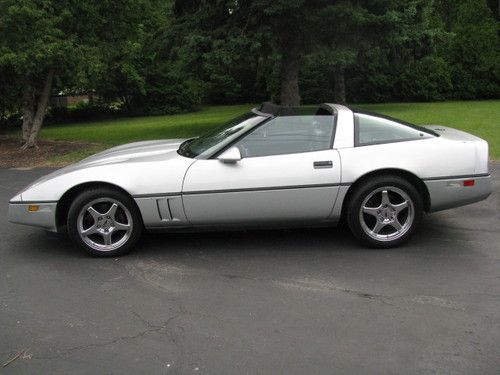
[373, 130]
[288, 135]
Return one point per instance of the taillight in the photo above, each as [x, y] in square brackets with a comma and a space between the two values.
[469, 183]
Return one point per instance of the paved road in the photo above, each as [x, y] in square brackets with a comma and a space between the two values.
[272, 302]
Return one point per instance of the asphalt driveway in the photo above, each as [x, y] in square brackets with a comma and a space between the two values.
[308, 301]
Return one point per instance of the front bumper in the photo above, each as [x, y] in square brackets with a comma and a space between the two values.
[451, 192]
[45, 217]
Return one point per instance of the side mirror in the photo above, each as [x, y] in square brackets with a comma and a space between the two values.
[231, 155]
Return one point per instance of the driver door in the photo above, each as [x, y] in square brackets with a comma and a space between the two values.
[288, 171]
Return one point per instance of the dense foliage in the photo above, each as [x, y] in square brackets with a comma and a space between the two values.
[370, 51]
[167, 56]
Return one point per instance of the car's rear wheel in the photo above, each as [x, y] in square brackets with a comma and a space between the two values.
[104, 222]
[384, 211]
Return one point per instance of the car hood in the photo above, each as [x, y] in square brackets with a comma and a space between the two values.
[136, 150]
[132, 152]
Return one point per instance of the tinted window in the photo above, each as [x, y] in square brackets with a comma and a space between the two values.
[288, 135]
[373, 129]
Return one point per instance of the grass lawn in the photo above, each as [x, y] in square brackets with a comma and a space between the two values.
[481, 118]
[132, 129]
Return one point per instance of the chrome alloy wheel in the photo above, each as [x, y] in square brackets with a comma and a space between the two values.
[387, 213]
[104, 224]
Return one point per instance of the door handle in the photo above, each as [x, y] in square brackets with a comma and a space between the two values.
[323, 164]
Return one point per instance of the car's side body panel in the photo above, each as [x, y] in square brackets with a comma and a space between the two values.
[442, 163]
[162, 210]
[152, 175]
[269, 188]
[140, 176]
[288, 204]
[451, 192]
[426, 158]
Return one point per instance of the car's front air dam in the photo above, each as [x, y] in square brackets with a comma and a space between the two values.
[35, 214]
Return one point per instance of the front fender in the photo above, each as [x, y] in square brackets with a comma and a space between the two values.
[137, 178]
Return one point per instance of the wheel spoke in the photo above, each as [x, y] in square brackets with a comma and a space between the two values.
[385, 197]
[107, 238]
[378, 227]
[396, 224]
[370, 211]
[92, 211]
[112, 211]
[120, 226]
[400, 206]
[89, 231]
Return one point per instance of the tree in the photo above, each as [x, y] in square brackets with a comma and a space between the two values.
[47, 44]
[473, 51]
[241, 39]
[210, 46]
[400, 31]
[372, 50]
[294, 27]
[31, 46]
[9, 93]
[282, 32]
[165, 56]
[133, 69]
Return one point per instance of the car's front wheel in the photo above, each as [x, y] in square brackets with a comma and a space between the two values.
[384, 211]
[104, 222]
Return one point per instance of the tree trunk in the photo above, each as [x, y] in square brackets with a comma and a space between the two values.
[290, 65]
[126, 102]
[40, 111]
[339, 85]
[28, 110]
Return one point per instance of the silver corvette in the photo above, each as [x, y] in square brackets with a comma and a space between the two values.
[274, 166]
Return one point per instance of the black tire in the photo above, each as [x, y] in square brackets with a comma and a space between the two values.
[125, 241]
[359, 222]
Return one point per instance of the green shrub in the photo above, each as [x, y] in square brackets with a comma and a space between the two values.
[81, 112]
[166, 93]
[427, 79]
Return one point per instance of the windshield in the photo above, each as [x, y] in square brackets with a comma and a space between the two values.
[225, 133]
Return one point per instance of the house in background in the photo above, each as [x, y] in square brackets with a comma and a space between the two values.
[68, 100]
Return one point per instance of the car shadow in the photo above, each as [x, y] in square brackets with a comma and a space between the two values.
[223, 240]
[285, 241]
[434, 229]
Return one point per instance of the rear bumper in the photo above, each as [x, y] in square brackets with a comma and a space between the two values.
[45, 217]
[451, 192]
